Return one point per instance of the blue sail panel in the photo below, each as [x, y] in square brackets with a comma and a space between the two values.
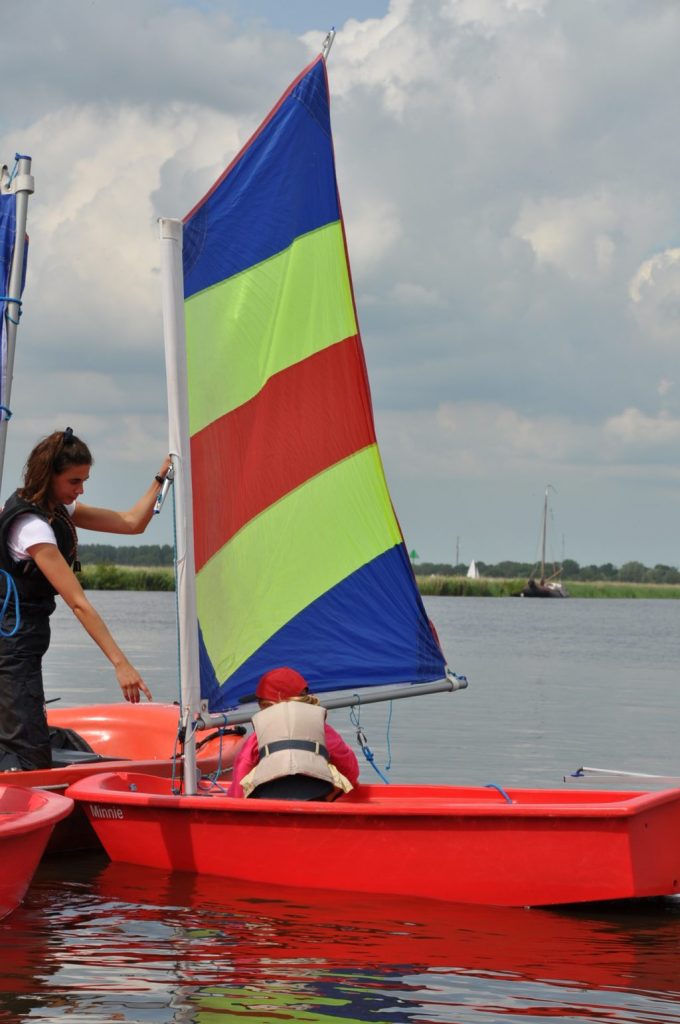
[281, 186]
[369, 630]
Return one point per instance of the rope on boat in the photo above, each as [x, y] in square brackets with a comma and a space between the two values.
[355, 718]
[11, 592]
[494, 785]
[15, 169]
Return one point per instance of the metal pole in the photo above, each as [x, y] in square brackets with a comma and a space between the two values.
[172, 286]
[327, 43]
[580, 772]
[23, 185]
[354, 699]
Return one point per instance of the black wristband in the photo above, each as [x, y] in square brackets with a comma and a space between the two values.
[159, 479]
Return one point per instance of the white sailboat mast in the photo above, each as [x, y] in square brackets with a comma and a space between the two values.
[172, 285]
[22, 185]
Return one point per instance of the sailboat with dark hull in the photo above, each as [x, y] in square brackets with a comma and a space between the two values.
[544, 586]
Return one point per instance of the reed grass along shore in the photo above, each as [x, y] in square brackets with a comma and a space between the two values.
[461, 586]
[117, 577]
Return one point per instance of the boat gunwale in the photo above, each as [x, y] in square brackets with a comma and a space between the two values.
[38, 810]
[97, 789]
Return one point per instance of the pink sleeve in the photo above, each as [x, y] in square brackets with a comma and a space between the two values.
[244, 762]
[342, 756]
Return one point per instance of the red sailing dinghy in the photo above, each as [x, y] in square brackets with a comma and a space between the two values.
[297, 559]
[27, 817]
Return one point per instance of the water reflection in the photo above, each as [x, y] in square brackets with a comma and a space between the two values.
[113, 942]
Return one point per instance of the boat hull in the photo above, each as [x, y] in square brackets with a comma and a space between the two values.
[27, 818]
[468, 845]
[141, 736]
[533, 589]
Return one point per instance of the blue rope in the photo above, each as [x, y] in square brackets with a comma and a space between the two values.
[11, 592]
[363, 742]
[13, 175]
[494, 785]
[10, 298]
[5, 413]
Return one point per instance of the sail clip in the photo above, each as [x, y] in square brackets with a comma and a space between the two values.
[327, 43]
[162, 494]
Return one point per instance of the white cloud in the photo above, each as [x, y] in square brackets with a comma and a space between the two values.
[655, 296]
[374, 228]
[470, 439]
[574, 235]
[490, 16]
[92, 221]
[634, 427]
[411, 295]
[509, 196]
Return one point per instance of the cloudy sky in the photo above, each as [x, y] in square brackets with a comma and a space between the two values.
[509, 178]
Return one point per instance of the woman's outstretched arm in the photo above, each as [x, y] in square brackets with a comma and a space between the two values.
[54, 567]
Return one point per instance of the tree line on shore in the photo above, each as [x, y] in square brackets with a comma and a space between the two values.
[150, 555]
[629, 572]
[159, 555]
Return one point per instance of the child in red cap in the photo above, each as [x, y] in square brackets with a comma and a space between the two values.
[277, 686]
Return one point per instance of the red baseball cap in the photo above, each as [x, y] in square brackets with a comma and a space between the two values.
[279, 684]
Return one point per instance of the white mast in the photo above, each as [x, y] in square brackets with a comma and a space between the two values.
[22, 185]
[172, 285]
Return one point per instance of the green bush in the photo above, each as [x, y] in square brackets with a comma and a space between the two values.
[114, 577]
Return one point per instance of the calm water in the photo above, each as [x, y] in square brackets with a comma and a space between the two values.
[553, 685]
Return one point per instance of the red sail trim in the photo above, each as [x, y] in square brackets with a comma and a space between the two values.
[305, 419]
[258, 131]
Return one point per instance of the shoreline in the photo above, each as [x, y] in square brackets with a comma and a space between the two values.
[461, 586]
[162, 578]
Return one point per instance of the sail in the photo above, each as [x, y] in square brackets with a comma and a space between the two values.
[14, 192]
[7, 237]
[299, 557]
[473, 571]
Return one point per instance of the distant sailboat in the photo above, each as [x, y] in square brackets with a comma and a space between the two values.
[552, 585]
[473, 571]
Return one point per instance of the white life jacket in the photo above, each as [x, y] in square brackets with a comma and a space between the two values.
[291, 741]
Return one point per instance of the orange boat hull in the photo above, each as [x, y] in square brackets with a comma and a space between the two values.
[143, 736]
[468, 845]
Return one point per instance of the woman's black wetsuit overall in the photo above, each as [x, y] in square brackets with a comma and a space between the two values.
[24, 735]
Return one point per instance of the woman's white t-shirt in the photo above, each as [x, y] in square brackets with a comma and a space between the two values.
[29, 529]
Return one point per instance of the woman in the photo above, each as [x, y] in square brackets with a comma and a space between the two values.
[38, 549]
[293, 754]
